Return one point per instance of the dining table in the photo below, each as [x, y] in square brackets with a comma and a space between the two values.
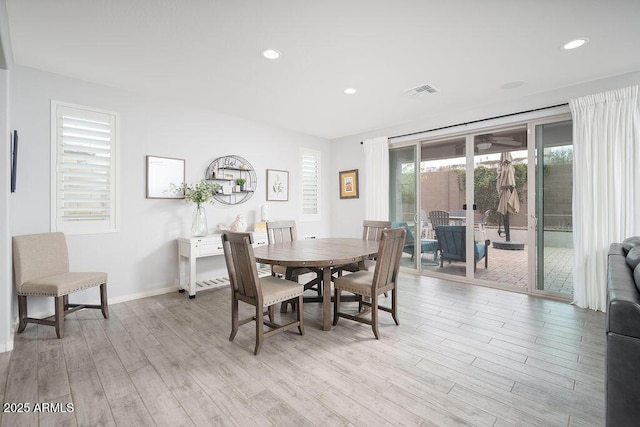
[321, 253]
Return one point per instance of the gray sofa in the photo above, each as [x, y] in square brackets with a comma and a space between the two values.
[623, 334]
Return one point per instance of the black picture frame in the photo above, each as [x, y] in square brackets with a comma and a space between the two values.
[14, 160]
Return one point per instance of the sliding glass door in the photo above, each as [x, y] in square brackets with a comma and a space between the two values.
[503, 196]
[443, 169]
[403, 201]
[554, 210]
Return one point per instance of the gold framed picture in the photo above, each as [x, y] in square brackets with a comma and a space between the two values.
[349, 184]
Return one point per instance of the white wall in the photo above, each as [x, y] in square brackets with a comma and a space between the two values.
[347, 153]
[142, 257]
[7, 298]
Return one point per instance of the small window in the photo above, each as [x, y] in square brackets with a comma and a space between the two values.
[310, 187]
[83, 169]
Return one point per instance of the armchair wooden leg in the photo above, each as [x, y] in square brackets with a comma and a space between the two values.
[103, 301]
[22, 312]
[234, 318]
[59, 316]
[487, 243]
[394, 305]
[66, 302]
[300, 315]
[374, 315]
[259, 330]
[271, 310]
[336, 305]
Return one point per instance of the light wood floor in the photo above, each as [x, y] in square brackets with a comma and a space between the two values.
[462, 355]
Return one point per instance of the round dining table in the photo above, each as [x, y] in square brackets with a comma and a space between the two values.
[324, 254]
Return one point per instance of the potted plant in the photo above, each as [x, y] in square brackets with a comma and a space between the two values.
[199, 193]
[241, 182]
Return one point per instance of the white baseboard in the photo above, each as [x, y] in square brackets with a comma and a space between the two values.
[8, 346]
[140, 295]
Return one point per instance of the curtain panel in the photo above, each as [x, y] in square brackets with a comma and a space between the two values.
[606, 185]
[376, 178]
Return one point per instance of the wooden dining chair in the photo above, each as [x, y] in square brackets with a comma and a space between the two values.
[262, 293]
[285, 231]
[372, 284]
[41, 268]
[371, 230]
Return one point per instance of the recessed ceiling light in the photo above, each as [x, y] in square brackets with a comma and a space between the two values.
[512, 85]
[349, 91]
[271, 54]
[574, 44]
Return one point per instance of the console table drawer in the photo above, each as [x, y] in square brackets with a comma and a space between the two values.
[209, 248]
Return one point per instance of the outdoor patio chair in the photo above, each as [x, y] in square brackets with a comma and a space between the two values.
[480, 224]
[427, 246]
[438, 218]
[452, 245]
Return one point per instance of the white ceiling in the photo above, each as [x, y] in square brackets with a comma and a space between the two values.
[207, 53]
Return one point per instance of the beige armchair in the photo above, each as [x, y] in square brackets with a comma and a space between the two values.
[41, 268]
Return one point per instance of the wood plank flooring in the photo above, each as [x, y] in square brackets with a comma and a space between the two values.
[462, 355]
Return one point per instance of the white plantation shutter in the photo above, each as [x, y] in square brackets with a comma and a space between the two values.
[83, 169]
[310, 184]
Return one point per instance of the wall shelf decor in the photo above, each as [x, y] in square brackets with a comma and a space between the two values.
[228, 172]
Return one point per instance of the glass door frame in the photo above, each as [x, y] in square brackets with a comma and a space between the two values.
[532, 231]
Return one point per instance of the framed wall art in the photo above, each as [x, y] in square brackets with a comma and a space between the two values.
[163, 175]
[277, 185]
[349, 184]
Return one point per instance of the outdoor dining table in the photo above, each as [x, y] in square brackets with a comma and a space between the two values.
[324, 254]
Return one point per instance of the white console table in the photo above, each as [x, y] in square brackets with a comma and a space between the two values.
[192, 248]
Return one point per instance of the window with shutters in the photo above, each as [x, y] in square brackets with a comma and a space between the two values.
[83, 169]
[310, 184]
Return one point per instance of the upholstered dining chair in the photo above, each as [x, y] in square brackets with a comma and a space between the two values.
[285, 231]
[371, 230]
[372, 284]
[262, 293]
[41, 268]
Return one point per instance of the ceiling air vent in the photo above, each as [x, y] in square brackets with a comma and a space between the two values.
[422, 90]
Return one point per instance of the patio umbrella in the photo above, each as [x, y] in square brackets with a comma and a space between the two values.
[506, 186]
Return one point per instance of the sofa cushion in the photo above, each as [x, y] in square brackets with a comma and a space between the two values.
[633, 257]
[630, 242]
[636, 277]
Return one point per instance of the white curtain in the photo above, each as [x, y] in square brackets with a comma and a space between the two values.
[376, 182]
[606, 185]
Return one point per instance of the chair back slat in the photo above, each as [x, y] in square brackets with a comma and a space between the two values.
[372, 230]
[39, 255]
[281, 231]
[438, 218]
[241, 263]
[388, 259]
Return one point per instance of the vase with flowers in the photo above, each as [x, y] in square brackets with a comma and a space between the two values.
[199, 193]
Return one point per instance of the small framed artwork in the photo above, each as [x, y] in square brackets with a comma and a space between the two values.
[349, 184]
[164, 176]
[277, 185]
